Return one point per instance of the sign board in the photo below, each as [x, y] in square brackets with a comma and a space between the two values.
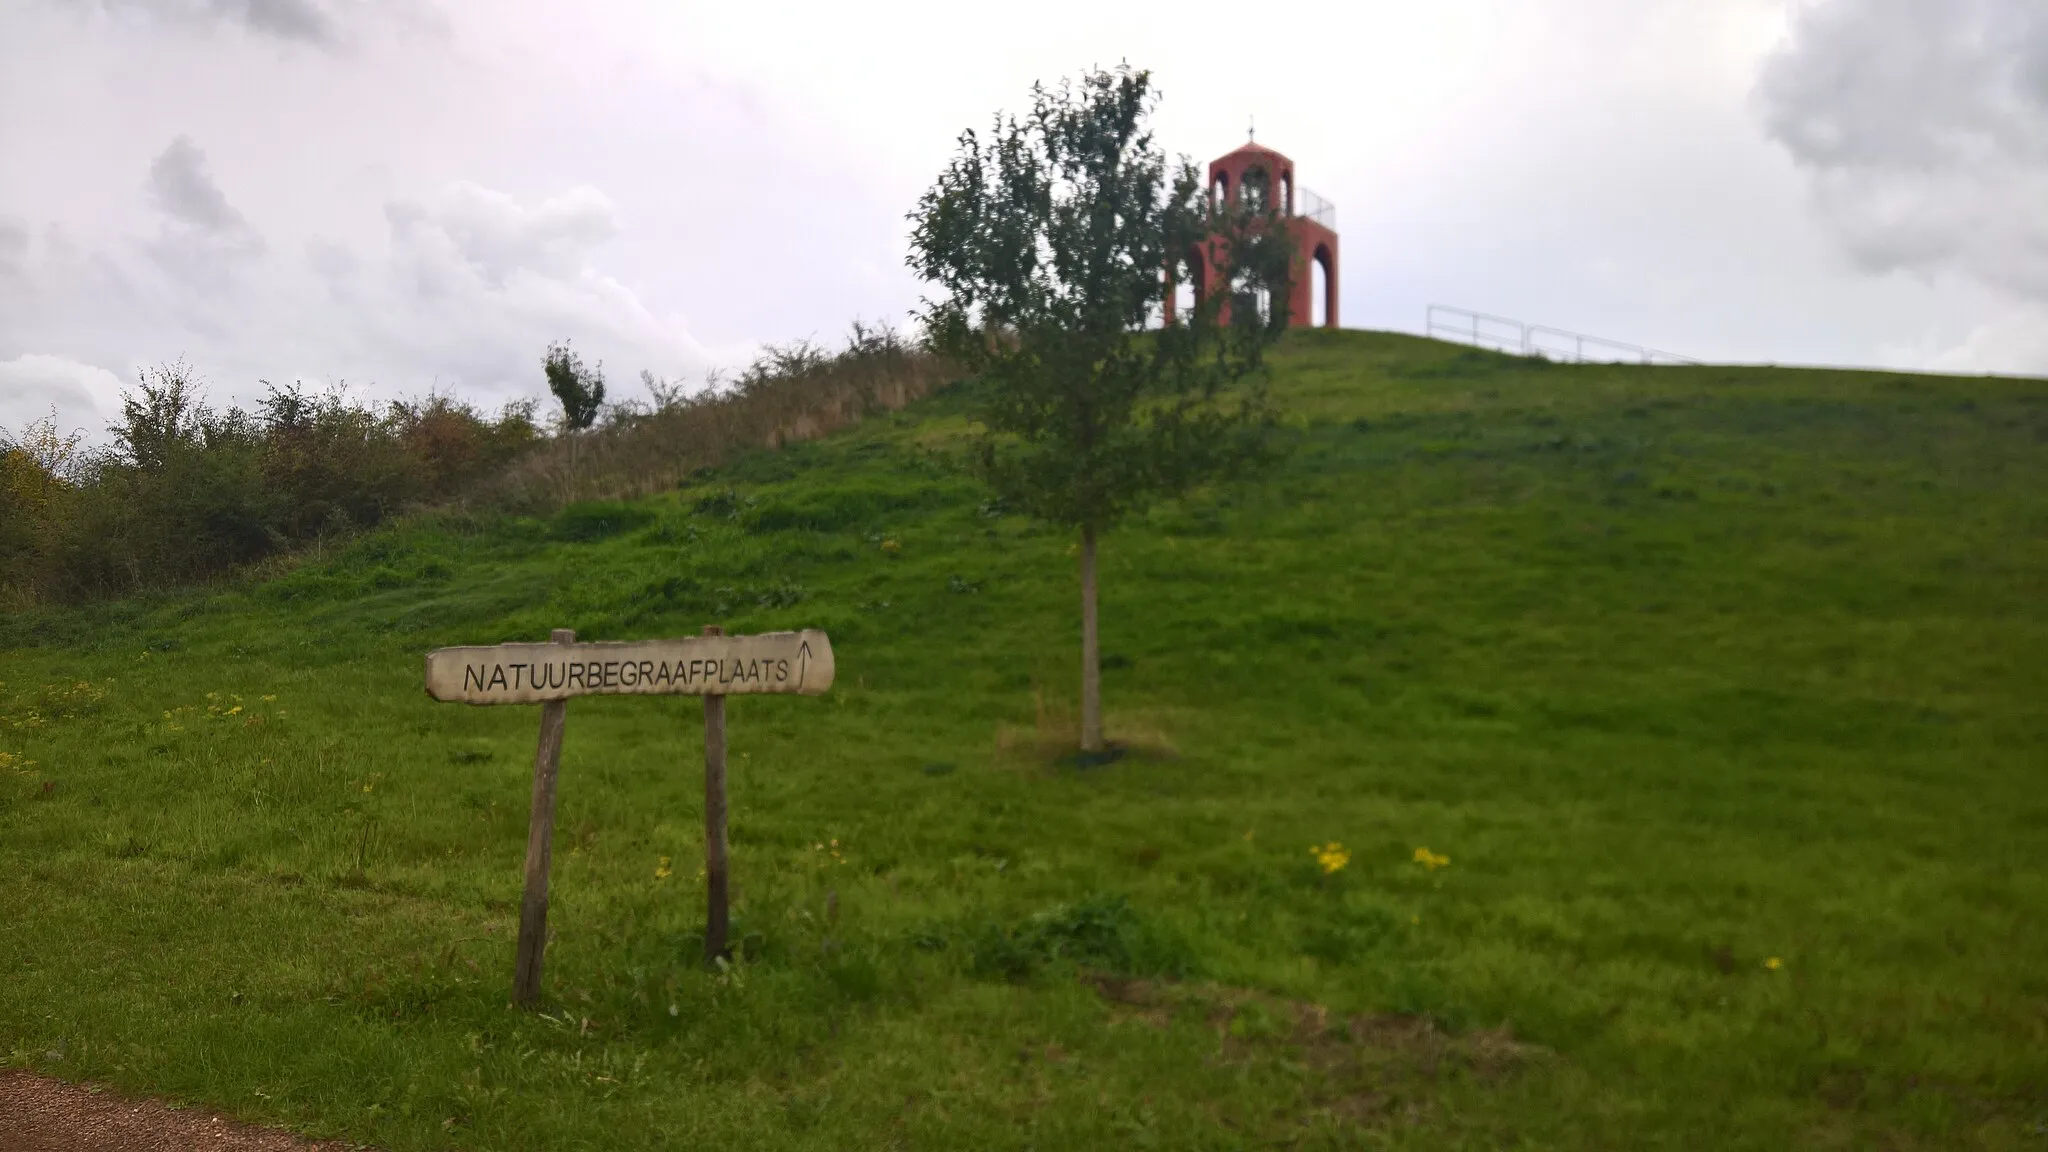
[713, 666]
[799, 663]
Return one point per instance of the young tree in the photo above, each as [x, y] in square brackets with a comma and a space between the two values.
[580, 389]
[1054, 246]
[37, 469]
[162, 418]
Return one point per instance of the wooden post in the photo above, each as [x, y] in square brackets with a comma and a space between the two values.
[540, 842]
[1091, 650]
[715, 913]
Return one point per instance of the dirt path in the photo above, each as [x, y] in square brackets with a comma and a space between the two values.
[40, 1115]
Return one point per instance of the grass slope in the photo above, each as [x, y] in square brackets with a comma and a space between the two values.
[1683, 669]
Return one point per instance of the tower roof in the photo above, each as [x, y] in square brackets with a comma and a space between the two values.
[1249, 150]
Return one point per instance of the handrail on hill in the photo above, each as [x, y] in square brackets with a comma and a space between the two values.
[1518, 338]
[1316, 208]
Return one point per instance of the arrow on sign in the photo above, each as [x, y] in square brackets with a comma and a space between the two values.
[803, 663]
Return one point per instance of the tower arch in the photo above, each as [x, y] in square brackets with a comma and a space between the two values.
[1257, 173]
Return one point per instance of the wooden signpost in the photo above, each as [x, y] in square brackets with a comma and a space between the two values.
[713, 666]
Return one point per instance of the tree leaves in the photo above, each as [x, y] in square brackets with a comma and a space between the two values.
[580, 389]
[1053, 244]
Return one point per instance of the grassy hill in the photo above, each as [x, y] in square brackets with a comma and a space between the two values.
[1720, 689]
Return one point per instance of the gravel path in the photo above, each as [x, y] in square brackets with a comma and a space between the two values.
[41, 1115]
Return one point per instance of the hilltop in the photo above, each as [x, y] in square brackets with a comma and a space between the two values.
[1675, 733]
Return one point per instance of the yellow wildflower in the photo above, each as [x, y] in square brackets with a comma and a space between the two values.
[1330, 857]
[890, 545]
[1775, 963]
[662, 871]
[1430, 860]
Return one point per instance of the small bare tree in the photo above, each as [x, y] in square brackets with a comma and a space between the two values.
[668, 395]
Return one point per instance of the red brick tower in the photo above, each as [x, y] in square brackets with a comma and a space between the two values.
[1259, 172]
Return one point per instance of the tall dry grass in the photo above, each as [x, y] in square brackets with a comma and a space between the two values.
[789, 393]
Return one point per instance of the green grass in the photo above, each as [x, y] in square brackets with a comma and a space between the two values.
[1683, 668]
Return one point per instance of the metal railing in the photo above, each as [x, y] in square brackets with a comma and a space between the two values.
[1316, 208]
[1443, 322]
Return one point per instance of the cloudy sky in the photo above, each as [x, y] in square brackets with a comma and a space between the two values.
[417, 194]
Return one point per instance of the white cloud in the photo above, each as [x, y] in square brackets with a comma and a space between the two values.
[320, 24]
[466, 289]
[476, 284]
[2014, 341]
[405, 214]
[496, 235]
[13, 247]
[289, 19]
[1923, 129]
[203, 240]
[181, 188]
[35, 386]
[669, 182]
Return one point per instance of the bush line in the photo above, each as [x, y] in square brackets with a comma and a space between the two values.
[188, 493]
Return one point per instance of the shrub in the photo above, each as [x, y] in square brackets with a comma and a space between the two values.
[579, 389]
[598, 520]
[1103, 933]
[187, 492]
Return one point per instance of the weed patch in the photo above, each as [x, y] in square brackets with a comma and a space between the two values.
[1103, 932]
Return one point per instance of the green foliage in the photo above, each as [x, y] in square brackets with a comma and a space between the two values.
[1661, 741]
[854, 507]
[600, 519]
[36, 469]
[1050, 246]
[579, 389]
[725, 504]
[188, 492]
[1102, 933]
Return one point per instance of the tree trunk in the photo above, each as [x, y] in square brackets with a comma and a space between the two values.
[1091, 651]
